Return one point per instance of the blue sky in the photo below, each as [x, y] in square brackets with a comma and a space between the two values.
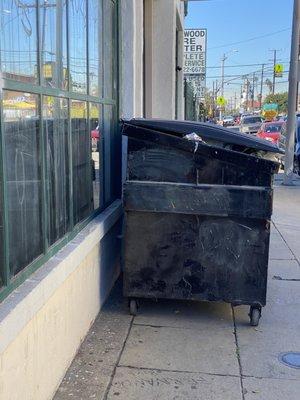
[230, 21]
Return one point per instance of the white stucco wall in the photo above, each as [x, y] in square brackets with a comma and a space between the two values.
[43, 322]
[131, 54]
[162, 18]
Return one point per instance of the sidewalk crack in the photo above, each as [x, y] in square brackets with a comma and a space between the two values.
[139, 368]
[280, 234]
[238, 354]
[118, 361]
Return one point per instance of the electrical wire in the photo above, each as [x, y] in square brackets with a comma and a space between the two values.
[243, 65]
[250, 39]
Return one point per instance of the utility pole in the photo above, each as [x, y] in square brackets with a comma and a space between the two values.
[253, 91]
[274, 63]
[223, 59]
[261, 84]
[292, 100]
[213, 100]
[234, 101]
[222, 80]
[247, 93]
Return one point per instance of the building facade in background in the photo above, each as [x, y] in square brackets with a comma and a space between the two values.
[69, 69]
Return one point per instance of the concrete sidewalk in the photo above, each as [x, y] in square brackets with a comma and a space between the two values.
[199, 351]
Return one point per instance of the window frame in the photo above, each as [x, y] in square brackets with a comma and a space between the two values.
[38, 88]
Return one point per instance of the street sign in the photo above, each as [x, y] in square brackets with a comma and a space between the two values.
[199, 84]
[278, 70]
[194, 51]
[270, 111]
[194, 66]
[221, 101]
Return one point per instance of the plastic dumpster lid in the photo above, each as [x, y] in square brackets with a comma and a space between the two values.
[206, 131]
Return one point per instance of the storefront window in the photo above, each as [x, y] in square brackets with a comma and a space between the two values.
[1, 235]
[109, 26]
[82, 163]
[59, 145]
[95, 38]
[77, 35]
[19, 40]
[23, 178]
[55, 117]
[96, 147]
[110, 152]
[53, 43]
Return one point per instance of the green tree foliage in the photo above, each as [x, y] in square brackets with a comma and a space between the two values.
[279, 98]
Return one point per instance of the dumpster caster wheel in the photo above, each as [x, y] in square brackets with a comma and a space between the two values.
[133, 307]
[255, 314]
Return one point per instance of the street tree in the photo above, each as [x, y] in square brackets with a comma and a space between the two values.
[269, 84]
[279, 98]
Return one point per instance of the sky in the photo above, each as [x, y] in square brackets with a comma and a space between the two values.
[231, 21]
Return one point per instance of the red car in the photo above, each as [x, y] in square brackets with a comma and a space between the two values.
[95, 133]
[95, 136]
[271, 131]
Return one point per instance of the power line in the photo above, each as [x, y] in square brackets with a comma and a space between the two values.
[268, 74]
[238, 65]
[243, 65]
[249, 40]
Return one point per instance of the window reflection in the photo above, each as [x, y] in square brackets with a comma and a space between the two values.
[95, 29]
[109, 152]
[53, 43]
[23, 177]
[110, 52]
[1, 233]
[55, 113]
[19, 40]
[82, 163]
[96, 136]
[78, 59]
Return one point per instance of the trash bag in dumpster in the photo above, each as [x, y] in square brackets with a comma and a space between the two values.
[198, 212]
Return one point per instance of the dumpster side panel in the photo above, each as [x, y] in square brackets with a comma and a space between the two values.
[213, 200]
[180, 256]
[152, 161]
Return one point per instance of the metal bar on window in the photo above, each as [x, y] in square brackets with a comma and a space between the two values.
[87, 47]
[70, 148]
[6, 271]
[43, 148]
[9, 84]
[70, 151]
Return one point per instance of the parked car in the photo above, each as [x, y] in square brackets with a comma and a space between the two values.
[237, 120]
[228, 121]
[251, 124]
[271, 131]
[95, 136]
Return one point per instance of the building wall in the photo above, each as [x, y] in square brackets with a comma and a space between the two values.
[162, 19]
[148, 51]
[131, 58]
[44, 321]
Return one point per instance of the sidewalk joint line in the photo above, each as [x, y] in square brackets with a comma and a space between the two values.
[238, 354]
[179, 327]
[287, 244]
[270, 377]
[118, 361]
[178, 371]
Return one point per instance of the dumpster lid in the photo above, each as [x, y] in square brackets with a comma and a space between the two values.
[207, 132]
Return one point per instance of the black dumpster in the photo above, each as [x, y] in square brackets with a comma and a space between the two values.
[198, 203]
